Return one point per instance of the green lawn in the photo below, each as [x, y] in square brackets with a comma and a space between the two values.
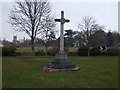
[27, 72]
[28, 49]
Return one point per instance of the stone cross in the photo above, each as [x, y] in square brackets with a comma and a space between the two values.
[62, 21]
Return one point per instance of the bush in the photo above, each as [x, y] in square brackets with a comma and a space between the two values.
[8, 51]
[103, 52]
[54, 50]
[113, 51]
[40, 52]
[82, 51]
[95, 51]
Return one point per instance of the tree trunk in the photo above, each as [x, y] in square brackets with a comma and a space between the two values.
[46, 50]
[33, 46]
[88, 46]
[88, 43]
[46, 47]
[88, 51]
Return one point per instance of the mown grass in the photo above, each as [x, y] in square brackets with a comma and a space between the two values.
[28, 49]
[27, 72]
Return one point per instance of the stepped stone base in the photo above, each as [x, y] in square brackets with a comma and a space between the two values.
[63, 63]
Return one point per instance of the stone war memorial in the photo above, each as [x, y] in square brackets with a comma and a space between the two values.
[61, 63]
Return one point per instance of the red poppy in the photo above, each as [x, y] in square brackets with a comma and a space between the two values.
[48, 71]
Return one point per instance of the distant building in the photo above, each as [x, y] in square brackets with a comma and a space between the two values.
[6, 43]
[16, 43]
[14, 40]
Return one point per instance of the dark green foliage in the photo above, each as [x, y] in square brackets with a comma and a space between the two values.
[82, 51]
[113, 51]
[103, 52]
[95, 51]
[69, 38]
[8, 51]
[110, 39]
[98, 39]
[40, 52]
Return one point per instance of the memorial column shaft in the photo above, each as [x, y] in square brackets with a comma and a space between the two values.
[62, 38]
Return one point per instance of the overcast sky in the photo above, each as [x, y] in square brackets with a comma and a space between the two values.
[105, 13]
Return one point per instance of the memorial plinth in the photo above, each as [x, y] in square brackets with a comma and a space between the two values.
[62, 62]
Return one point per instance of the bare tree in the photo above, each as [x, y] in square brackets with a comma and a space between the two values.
[28, 17]
[48, 27]
[87, 27]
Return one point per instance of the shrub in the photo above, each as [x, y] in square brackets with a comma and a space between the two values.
[103, 52]
[113, 51]
[95, 51]
[82, 51]
[40, 52]
[9, 51]
[54, 50]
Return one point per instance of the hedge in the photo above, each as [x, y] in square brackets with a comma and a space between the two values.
[95, 51]
[82, 51]
[8, 51]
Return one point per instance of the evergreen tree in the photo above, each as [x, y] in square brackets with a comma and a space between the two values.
[109, 38]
